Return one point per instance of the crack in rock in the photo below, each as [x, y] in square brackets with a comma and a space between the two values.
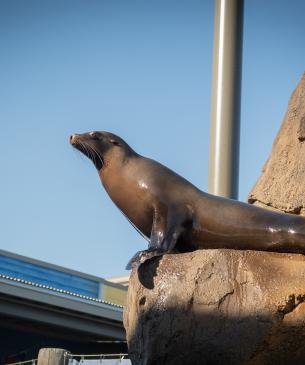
[223, 298]
[291, 304]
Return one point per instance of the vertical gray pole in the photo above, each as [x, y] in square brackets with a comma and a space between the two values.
[226, 93]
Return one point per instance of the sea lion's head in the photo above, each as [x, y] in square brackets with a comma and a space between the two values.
[100, 147]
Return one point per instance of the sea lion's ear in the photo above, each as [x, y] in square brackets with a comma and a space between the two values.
[114, 142]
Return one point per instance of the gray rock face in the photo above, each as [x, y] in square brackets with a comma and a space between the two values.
[281, 185]
[217, 307]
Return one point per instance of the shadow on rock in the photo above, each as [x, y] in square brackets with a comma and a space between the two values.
[147, 271]
[174, 337]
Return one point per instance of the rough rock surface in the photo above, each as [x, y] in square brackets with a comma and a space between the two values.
[281, 185]
[217, 307]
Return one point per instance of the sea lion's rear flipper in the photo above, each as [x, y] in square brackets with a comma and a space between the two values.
[141, 256]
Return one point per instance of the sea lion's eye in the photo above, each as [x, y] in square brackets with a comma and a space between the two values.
[94, 135]
[113, 141]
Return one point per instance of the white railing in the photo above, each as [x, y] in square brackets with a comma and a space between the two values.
[98, 359]
[82, 359]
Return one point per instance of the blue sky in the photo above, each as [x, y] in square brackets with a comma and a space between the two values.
[142, 70]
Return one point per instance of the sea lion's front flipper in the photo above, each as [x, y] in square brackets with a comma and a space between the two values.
[169, 226]
[141, 256]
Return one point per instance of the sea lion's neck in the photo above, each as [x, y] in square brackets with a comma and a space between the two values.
[116, 175]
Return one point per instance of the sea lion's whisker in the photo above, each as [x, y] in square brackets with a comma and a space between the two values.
[85, 147]
[80, 155]
[91, 151]
[92, 155]
[97, 154]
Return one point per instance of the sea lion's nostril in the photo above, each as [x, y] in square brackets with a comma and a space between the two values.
[72, 138]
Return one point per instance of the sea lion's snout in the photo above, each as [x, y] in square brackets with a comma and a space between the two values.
[91, 136]
[73, 139]
[89, 145]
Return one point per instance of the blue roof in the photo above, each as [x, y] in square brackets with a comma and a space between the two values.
[39, 274]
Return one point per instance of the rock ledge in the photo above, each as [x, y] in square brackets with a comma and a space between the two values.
[217, 307]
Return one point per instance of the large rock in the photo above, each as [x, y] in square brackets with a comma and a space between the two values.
[282, 184]
[217, 307]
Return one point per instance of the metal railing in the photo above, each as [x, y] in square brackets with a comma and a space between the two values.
[28, 362]
[83, 359]
[96, 357]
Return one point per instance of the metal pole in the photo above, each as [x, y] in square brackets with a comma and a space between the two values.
[226, 92]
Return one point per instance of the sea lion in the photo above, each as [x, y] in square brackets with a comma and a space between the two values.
[171, 213]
